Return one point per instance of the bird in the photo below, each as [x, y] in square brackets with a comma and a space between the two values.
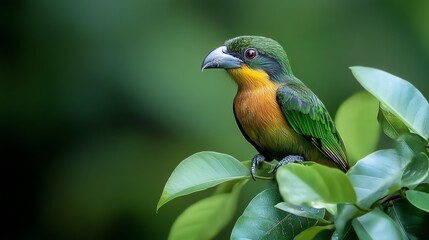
[274, 110]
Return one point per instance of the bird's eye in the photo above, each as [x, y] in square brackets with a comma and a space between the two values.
[250, 53]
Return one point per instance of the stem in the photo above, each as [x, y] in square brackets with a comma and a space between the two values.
[389, 198]
[399, 194]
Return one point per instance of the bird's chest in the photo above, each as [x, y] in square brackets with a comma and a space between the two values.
[260, 116]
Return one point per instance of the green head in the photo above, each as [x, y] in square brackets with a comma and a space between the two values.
[258, 53]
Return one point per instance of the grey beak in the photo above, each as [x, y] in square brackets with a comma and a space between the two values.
[218, 58]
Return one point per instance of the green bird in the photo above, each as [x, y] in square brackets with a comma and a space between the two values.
[280, 116]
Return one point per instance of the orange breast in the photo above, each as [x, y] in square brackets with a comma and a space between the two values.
[261, 118]
[258, 112]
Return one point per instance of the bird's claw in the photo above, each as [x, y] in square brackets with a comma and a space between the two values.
[288, 159]
[256, 160]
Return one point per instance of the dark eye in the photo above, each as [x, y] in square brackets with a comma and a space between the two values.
[250, 53]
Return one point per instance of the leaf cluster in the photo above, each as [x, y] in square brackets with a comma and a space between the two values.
[385, 195]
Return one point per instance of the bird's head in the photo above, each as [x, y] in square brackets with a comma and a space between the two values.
[250, 59]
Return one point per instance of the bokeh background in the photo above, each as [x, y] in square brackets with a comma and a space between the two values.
[101, 99]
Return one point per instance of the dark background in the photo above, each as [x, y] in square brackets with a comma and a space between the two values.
[100, 100]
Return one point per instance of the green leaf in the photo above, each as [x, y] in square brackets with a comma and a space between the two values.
[348, 234]
[398, 96]
[416, 171]
[414, 143]
[426, 180]
[392, 126]
[261, 220]
[263, 171]
[419, 199]
[345, 212]
[312, 232]
[302, 211]
[412, 221]
[314, 185]
[204, 219]
[356, 121]
[377, 175]
[201, 171]
[376, 225]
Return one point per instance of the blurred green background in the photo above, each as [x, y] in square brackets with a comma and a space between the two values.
[102, 99]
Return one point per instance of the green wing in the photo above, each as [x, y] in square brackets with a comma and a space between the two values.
[308, 116]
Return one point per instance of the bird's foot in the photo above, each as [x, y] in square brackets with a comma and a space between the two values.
[256, 160]
[288, 159]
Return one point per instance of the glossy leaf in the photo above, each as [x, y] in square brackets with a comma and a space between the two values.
[347, 234]
[314, 185]
[412, 221]
[377, 175]
[345, 212]
[263, 171]
[426, 180]
[376, 225]
[356, 121]
[261, 220]
[312, 232]
[398, 96]
[201, 171]
[414, 144]
[419, 199]
[204, 219]
[302, 211]
[416, 171]
[392, 126]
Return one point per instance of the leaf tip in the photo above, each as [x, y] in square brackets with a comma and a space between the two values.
[357, 68]
[158, 206]
[160, 203]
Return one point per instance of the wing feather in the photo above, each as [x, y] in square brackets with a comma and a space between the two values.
[308, 116]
